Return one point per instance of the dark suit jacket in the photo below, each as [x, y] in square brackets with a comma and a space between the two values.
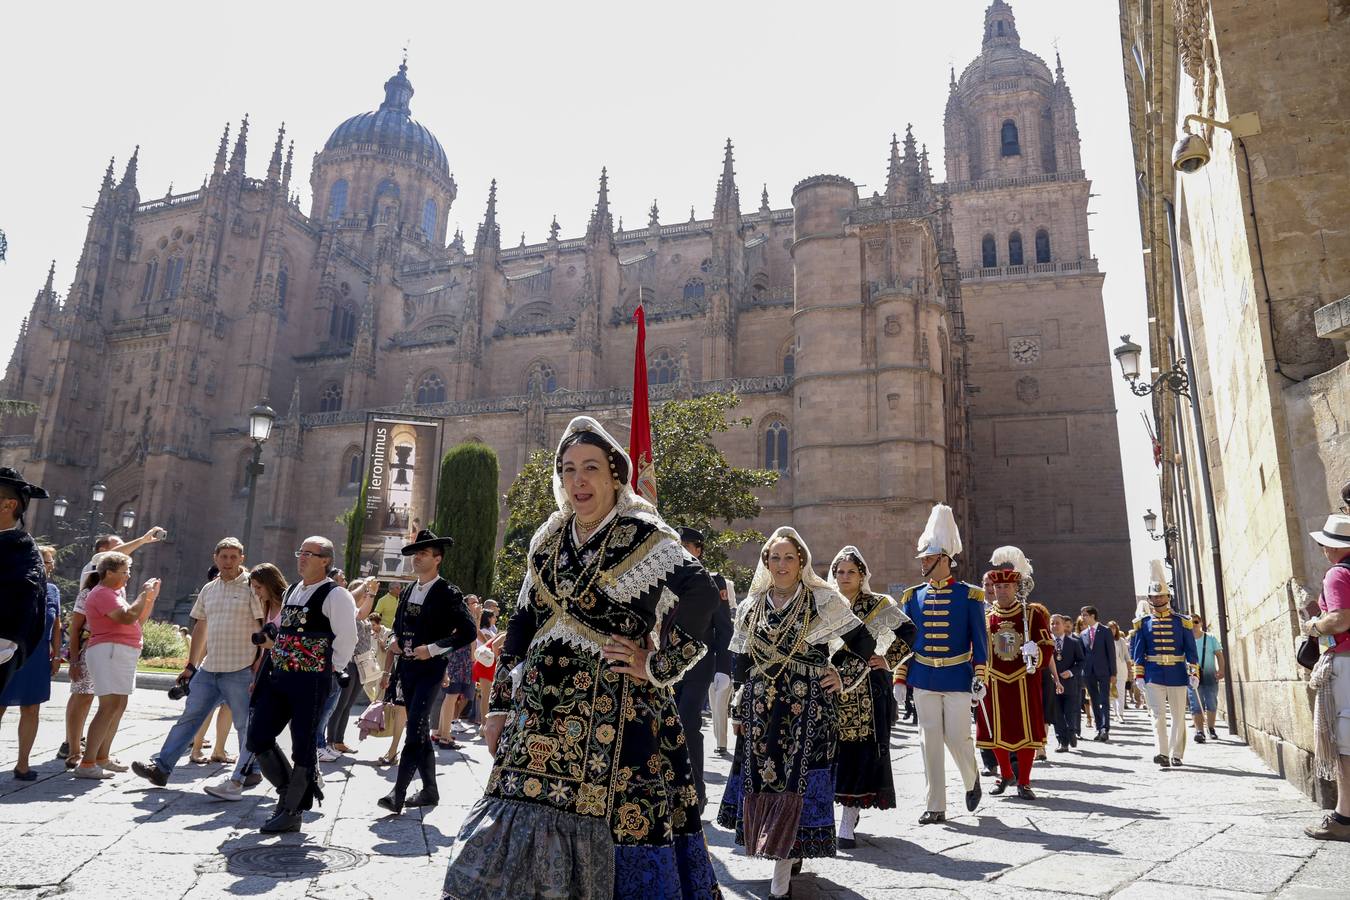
[1070, 658]
[1099, 660]
[720, 646]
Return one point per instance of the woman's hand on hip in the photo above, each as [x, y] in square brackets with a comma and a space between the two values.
[626, 657]
[492, 732]
[831, 681]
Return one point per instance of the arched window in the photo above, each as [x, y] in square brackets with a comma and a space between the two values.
[662, 368]
[790, 361]
[173, 278]
[429, 219]
[999, 29]
[988, 252]
[693, 289]
[283, 285]
[337, 199]
[431, 389]
[351, 468]
[1042, 246]
[151, 272]
[342, 325]
[1015, 249]
[330, 398]
[776, 447]
[543, 377]
[1009, 139]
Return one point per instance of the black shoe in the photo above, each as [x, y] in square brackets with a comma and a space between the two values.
[1106, 737]
[991, 773]
[151, 773]
[932, 818]
[1199, 737]
[1025, 792]
[393, 802]
[999, 788]
[423, 798]
[64, 751]
[1062, 748]
[1214, 735]
[1098, 736]
[1162, 761]
[1176, 762]
[30, 775]
[973, 797]
[298, 791]
[1073, 741]
[847, 843]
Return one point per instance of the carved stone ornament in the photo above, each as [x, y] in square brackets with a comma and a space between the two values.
[1028, 389]
[892, 326]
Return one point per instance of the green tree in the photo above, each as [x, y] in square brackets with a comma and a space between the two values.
[695, 484]
[17, 408]
[466, 510]
[354, 520]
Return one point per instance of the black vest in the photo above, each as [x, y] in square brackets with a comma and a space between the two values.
[305, 636]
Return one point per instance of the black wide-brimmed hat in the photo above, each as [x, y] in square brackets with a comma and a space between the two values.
[425, 539]
[12, 479]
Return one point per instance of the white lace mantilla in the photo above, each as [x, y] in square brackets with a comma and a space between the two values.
[834, 619]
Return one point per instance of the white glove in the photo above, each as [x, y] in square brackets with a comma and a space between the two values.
[1195, 682]
[1139, 683]
[721, 682]
[978, 689]
[1029, 650]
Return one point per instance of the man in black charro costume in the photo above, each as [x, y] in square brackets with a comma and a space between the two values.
[23, 578]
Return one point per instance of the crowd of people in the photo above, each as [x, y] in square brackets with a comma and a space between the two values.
[591, 700]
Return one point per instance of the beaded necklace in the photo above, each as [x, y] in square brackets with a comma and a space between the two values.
[566, 591]
[765, 652]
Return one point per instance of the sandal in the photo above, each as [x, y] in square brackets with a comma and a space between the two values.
[343, 748]
[198, 759]
[223, 758]
[389, 760]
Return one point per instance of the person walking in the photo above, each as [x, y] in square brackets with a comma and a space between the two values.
[1120, 686]
[1165, 661]
[114, 648]
[1331, 676]
[363, 592]
[1099, 669]
[219, 669]
[1204, 698]
[1068, 664]
[316, 638]
[32, 684]
[600, 805]
[457, 685]
[23, 578]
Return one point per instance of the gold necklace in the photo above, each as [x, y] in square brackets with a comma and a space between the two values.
[767, 652]
[570, 590]
[590, 526]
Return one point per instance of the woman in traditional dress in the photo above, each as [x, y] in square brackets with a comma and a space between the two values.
[863, 758]
[591, 795]
[780, 796]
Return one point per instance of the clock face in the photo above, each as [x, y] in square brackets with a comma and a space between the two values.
[1024, 350]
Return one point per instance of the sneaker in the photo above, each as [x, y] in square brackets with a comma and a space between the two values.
[92, 772]
[1328, 830]
[113, 764]
[328, 754]
[151, 772]
[1213, 735]
[1199, 737]
[227, 789]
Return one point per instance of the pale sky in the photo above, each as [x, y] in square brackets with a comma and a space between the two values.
[540, 96]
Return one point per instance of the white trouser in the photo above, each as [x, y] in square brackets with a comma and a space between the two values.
[720, 703]
[1160, 698]
[1122, 686]
[944, 719]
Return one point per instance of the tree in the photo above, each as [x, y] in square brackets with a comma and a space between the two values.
[466, 510]
[354, 520]
[17, 408]
[696, 486]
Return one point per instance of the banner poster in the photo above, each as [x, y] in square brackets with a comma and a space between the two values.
[402, 456]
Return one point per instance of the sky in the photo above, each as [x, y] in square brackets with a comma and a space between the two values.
[540, 96]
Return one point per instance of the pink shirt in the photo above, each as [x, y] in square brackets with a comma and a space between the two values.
[103, 630]
[1336, 595]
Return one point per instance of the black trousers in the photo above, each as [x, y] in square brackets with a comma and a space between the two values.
[693, 694]
[294, 698]
[1068, 711]
[337, 722]
[420, 683]
[1099, 689]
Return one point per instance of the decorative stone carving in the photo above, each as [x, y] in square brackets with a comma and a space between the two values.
[1028, 389]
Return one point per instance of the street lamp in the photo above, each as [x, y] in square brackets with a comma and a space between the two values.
[128, 520]
[98, 492]
[260, 420]
[59, 507]
[1151, 526]
[1175, 379]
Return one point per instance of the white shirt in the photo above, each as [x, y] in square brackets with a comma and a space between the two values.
[340, 608]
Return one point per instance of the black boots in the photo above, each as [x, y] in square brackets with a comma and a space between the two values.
[299, 793]
[393, 801]
[423, 797]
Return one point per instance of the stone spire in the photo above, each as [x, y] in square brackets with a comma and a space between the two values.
[1059, 70]
[951, 86]
[727, 206]
[240, 149]
[893, 171]
[221, 151]
[45, 302]
[274, 164]
[489, 233]
[398, 90]
[925, 173]
[286, 169]
[654, 216]
[1000, 27]
[602, 222]
[764, 200]
[129, 177]
[553, 229]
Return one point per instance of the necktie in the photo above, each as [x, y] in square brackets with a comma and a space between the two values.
[1092, 637]
[1059, 645]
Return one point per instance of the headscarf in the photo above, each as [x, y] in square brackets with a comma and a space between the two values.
[888, 616]
[834, 614]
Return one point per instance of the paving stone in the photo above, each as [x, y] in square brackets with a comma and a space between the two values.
[1155, 890]
[1076, 873]
[48, 860]
[1256, 872]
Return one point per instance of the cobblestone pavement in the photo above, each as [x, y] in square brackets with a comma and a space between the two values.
[1108, 823]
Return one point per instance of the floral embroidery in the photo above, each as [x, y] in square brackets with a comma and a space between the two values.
[299, 653]
[631, 823]
[533, 787]
[591, 800]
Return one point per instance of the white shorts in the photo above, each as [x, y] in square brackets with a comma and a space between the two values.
[112, 668]
[1340, 689]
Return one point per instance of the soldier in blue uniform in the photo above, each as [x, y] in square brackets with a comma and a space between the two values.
[947, 669]
[1162, 650]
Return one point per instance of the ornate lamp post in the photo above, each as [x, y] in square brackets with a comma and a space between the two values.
[1175, 379]
[128, 520]
[1151, 526]
[260, 420]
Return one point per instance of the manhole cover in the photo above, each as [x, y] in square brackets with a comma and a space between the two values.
[293, 861]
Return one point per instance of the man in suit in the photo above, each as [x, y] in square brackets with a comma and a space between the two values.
[1069, 664]
[692, 691]
[1099, 669]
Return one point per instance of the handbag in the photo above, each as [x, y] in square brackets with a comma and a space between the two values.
[484, 655]
[367, 667]
[1308, 652]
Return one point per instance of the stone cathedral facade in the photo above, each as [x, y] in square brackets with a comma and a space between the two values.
[935, 342]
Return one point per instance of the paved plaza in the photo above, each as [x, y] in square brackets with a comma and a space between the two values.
[1108, 823]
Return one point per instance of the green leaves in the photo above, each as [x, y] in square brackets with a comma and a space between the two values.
[466, 510]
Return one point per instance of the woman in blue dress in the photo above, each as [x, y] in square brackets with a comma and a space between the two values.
[32, 684]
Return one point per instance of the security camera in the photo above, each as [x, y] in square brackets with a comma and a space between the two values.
[1190, 153]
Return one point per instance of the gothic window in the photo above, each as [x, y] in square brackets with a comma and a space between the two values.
[1015, 249]
[693, 289]
[173, 278]
[662, 368]
[151, 271]
[351, 468]
[429, 219]
[283, 284]
[1009, 136]
[988, 252]
[776, 447]
[337, 199]
[342, 325]
[431, 389]
[1042, 246]
[330, 398]
[790, 361]
[543, 377]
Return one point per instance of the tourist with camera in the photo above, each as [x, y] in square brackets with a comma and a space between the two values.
[219, 666]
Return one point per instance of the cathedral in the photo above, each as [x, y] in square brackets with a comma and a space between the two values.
[932, 342]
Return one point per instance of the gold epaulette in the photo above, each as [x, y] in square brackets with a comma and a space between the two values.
[1137, 622]
[1186, 621]
[975, 593]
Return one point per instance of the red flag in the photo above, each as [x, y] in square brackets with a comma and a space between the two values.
[640, 431]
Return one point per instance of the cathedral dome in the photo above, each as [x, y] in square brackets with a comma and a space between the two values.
[1002, 56]
[392, 127]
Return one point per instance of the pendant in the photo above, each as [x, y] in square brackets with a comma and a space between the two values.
[565, 590]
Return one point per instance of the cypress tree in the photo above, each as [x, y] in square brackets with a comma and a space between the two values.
[466, 510]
